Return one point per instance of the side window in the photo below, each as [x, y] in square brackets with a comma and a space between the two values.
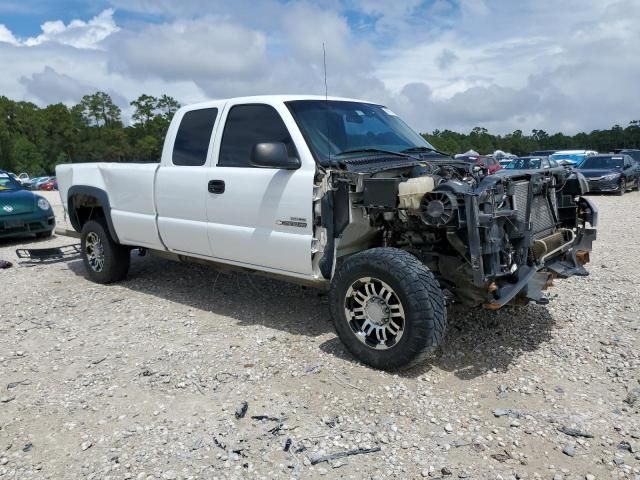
[248, 125]
[194, 133]
[545, 163]
[553, 163]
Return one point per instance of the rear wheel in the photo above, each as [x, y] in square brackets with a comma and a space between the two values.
[105, 260]
[388, 308]
[46, 234]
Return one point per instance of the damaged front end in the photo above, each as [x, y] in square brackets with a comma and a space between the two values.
[491, 240]
[533, 227]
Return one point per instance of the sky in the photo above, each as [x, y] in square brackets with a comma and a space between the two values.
[570, 65]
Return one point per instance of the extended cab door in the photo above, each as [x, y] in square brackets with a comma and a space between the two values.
[260, 217]
[181, 189]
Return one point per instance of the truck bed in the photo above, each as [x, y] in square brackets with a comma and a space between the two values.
[131, 196]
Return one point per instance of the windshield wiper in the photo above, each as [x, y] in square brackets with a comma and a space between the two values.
[376, 150]
[424, 149]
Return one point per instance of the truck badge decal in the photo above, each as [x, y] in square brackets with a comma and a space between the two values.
[293, 222]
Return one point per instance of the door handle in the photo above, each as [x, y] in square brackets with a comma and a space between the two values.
[216, 186]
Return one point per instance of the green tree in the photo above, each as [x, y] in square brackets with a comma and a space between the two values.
[99, 110]
[145, 107]
[148, 148]
[27, 157]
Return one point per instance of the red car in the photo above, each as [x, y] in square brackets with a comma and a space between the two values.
[50, 185]
[489, 163]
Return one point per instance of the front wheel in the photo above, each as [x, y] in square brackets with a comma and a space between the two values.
[623, 188]
[388, 308]
[105, 260]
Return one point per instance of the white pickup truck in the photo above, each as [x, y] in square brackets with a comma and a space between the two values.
[338, 194]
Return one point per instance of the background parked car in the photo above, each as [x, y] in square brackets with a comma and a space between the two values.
[542, 153]
[611, 173]
[49, 185]
[29, 183]
[572, 158]
[37, 182]
[632, 152]
[532, 163]
[483, 161]
[23, 212]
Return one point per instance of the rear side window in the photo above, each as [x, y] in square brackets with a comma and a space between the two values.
[194, 134]
[248, 125]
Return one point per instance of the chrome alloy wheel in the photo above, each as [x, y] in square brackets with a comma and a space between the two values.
[95, 251]
[374, 313]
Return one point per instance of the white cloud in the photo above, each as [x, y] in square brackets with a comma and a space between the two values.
[198, 49]
[442, 64]
[77, 33]
[6, 36]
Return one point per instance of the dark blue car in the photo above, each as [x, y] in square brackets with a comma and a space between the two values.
[611, 173]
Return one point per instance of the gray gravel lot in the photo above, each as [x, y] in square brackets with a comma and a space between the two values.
[143, 379]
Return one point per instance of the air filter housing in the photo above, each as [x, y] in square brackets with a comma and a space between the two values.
[439, 209]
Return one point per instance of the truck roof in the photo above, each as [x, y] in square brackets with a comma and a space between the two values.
[271, 98]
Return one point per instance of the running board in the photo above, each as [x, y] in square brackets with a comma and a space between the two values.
[65, 232]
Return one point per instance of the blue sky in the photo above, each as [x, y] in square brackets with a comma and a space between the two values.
[501, 64]
[24, 18]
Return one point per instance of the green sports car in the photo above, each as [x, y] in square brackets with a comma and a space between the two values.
[23, 212]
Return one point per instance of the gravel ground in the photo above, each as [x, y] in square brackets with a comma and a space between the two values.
[145, 379]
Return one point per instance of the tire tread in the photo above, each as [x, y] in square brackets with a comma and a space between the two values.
[117, 257]
[420, 288]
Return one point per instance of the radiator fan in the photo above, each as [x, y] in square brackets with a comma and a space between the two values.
[438, 209]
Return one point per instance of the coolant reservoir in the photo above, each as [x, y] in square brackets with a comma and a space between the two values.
[411, 192]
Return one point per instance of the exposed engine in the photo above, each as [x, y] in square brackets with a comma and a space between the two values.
[490, 239]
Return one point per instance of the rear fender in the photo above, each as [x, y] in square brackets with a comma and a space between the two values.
[102, 200]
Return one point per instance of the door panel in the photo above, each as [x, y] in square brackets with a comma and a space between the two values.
[263, 218]
[181, 199]
[181, 183]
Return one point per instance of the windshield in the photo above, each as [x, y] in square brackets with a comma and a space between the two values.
[332, 127]
[602, 162]
[7, 183]
[525, 163]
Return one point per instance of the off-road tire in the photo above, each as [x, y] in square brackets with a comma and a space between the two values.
[420, 296]
[116, 257]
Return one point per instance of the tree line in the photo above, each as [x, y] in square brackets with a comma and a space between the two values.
[480, 140]
[35, 140]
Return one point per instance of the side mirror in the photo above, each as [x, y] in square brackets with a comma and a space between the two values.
[273, 155]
